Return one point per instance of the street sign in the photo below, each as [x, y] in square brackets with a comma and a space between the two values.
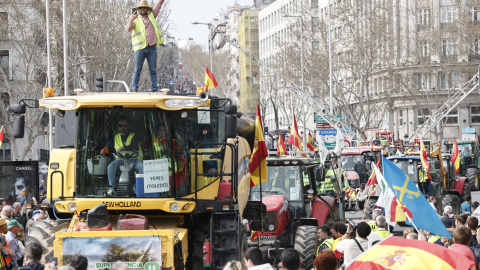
[320, 119]
[468, 131]
[43, 168]
[327, 132]
[324, 125]
[172, 82]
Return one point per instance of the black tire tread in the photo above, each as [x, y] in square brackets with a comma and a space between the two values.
[305, 245]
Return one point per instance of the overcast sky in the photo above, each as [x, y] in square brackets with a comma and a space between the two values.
[184, 12]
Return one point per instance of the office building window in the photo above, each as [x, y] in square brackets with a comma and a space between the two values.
[400, 117]
[424, 81]
[3, 26]
[5, 151]
[452, 118]
[449, 47]
[448, 14]
[475, 114]
[424, 19]
[422, 115]
[4, 62]
[449, 81]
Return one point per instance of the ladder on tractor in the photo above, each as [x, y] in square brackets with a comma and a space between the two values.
[445, 109]
[297, 91]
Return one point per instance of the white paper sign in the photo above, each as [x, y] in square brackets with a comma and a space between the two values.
[155, 173]
[203, 117]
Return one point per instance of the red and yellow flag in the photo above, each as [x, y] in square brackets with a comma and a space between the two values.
[210, 81]
[281, 148]
[424, 156]
[398, 253]
[310, 142]
[294, 138]
[455, 157]
[372, 180]
[258, 162]
[415, 140]
[1, 137]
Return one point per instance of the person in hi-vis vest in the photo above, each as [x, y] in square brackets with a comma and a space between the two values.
[124, 142]
[145, 38]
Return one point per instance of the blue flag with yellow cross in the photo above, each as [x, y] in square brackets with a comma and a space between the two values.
[423, 215]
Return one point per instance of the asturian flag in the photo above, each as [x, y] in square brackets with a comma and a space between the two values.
[423, 215]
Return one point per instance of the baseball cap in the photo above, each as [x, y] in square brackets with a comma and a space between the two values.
[13, 222]
[36, 212]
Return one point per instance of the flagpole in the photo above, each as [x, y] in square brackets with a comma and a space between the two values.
[261, 195]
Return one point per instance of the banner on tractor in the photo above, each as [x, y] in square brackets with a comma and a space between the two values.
[137, 252]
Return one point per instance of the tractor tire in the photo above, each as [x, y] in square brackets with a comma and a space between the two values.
[201, 233]
[466, 190]
[43, 233]
[367, 214]
[472, 178]
[452, 200]
[305, 244]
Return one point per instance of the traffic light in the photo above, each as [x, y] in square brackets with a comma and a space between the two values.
[265, 130]
[102, 85]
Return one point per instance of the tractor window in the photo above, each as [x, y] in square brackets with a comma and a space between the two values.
[282, 180]
[409, 168]
[147, 153]
[352, 162]
[465, 150]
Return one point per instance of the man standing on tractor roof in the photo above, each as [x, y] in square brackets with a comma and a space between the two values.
[327, 186]
[145, 38]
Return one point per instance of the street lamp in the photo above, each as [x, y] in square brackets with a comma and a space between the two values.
[330, 57]
[210, 49]
[301, 68]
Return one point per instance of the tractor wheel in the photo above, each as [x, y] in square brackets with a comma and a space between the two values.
[305, 244]
[472, 178]
[466, 189]
[367, 214]
[201, 234]
[43, 233]
[452, 200]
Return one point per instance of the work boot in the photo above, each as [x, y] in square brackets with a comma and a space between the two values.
[110, 192]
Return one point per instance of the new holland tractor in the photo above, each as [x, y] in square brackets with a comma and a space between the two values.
[179, 195]
[292, 207]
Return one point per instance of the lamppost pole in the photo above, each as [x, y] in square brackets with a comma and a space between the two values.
[210, 45]
[301, 70]
[330, 57]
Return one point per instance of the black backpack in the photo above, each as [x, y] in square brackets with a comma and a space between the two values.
[476, 253]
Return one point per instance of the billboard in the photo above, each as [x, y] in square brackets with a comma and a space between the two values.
[18, 175]
[137, 252]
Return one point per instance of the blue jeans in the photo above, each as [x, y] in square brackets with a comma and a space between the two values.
[150, 53]
[115, 165]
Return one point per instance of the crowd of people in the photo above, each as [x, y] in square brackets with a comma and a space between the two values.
[340, 243]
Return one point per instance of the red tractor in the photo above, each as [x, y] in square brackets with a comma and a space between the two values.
[290, 207]
[356, 162]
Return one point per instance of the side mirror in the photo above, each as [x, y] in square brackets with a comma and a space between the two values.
[230, 121]
[320, 175]
[19, 126]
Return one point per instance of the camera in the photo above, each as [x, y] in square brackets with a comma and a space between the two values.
[352, 223]
[134, 10]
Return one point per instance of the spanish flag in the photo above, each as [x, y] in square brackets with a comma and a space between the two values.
[294, 136]
[210, 81]
[455, 158]
[424, 156]
[258, 162]
[310, 142]
[1, 137]
[281, 148]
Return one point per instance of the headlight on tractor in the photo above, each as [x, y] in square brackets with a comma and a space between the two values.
[271, 227]
[174, 207]
[72, 207]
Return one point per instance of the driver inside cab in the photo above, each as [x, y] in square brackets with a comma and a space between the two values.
[124, 142]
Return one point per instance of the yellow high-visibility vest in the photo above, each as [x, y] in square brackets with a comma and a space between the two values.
[119, 143]
[139, 38]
